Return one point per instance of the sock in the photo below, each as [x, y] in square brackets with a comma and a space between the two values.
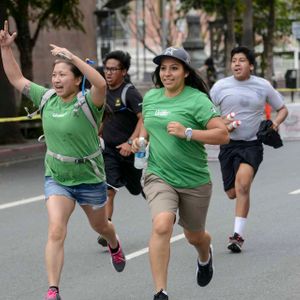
[239, 225]
[115, 250]
[54, 287]
[204, 263]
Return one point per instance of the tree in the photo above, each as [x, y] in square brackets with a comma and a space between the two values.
[31, 16]
[248, 38]
[9, 132]
[225, 10]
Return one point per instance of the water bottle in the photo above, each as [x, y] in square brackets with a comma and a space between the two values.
[140, 156]
[234, 124]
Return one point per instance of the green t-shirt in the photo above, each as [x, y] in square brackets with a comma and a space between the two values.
[180, 163]
[70, 134]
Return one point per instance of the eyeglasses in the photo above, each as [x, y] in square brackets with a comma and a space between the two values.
[111, 70]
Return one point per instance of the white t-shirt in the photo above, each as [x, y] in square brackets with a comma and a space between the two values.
[247, 99]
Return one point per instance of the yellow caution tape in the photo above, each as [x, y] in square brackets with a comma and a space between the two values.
[288, 90]
[18, 119]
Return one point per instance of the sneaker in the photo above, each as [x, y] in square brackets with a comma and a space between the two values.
[52, 294]
[205, 273]
[160, 296]
[235, 243]
[102, 241]
[118, 258]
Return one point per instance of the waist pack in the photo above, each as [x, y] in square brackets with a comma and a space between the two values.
[267, 135]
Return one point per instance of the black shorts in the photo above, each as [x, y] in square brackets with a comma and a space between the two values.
[236, 152]
[120, 171]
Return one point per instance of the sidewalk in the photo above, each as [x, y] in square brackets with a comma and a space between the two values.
[15, 152]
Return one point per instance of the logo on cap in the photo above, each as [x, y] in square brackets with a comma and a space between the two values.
[170, 50]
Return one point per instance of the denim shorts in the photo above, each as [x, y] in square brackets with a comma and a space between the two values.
[84, 194]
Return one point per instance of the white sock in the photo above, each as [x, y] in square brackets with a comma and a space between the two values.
[204, 263]
[239, 225]
[164, 292]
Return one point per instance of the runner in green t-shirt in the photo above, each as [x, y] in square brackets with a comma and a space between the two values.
[74, 163]
[179, 119]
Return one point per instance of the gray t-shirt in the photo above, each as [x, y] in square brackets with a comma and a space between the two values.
[247, 99]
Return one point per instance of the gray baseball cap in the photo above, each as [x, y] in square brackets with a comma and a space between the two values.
[174, 52]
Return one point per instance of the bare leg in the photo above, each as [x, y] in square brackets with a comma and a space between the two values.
[99, 222]
[111, 193]
[201, 241]
[59, 209]
[159, 248]
[243, 180]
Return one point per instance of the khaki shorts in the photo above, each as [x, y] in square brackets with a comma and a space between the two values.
[191, 204]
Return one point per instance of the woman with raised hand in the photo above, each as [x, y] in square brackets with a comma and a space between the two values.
[74, 169]
[179, 119]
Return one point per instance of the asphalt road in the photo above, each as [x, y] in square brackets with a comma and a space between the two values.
[267, 269]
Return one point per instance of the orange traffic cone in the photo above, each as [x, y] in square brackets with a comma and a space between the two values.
[268, 110]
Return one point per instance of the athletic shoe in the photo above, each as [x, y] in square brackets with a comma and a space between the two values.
[52, 294]
[235, 243]
[205, 273]
[102, 241]
[160, 296]
[118, 258]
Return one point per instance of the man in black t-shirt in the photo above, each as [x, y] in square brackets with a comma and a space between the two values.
[119, 128]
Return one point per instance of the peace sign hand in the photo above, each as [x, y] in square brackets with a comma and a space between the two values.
[6, 39]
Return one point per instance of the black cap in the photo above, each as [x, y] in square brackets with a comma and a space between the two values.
[173, 52]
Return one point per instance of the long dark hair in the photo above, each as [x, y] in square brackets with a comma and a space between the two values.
[193, 79]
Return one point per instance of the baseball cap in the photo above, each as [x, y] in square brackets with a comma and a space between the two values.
[174, 52]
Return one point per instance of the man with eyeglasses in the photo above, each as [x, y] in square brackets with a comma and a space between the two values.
[119, 128]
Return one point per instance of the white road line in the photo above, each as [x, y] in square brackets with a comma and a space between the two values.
[22, 202]
[42, 197]
[146, 250]
[295, 192]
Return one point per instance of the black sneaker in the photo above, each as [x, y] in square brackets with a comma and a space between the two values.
[235, 243]
[102, 241]
[160, 296]
[205, 273]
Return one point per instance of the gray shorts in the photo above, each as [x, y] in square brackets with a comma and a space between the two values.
[191, 204]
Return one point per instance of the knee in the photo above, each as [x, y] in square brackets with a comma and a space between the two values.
[57, 233]
[231, 193]
[196, 239]
[242, 188]
[162, 225]
[101, 227]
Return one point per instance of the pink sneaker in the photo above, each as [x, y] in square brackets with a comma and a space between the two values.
[118, 258]
[52, 294]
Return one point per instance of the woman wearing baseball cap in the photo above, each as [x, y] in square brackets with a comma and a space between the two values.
[179, 119]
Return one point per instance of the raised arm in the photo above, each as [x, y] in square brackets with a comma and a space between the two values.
[98, 89]
[10, 65]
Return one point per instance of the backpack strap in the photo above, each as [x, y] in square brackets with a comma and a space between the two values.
[47, 95]
[123, 94]
[81, 102]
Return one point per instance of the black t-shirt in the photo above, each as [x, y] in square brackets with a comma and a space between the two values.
[119, 126]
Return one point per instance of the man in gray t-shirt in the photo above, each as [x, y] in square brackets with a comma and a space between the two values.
[246, 96]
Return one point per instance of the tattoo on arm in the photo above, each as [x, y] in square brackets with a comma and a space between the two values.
[26, 90]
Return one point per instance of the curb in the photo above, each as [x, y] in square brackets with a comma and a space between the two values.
[11, 153]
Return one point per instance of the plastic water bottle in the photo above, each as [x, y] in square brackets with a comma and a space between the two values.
[140, 156]
[230, 116]
[234, 124]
